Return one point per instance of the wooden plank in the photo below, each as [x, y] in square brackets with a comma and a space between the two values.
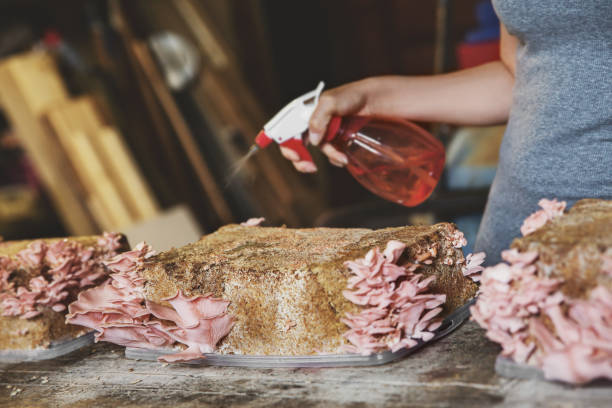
[29, 84]
[457, 371]
[183, 132]
[100, 213]
[157, 135]
[109, 207]
[115, 157]
[82, 115]
[98, 180]
[208, 42]
[126, 174]
[38, 81]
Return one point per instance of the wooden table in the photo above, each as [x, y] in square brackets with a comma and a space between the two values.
[454, 372]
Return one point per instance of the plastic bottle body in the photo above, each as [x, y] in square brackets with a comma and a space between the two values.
[393, 158]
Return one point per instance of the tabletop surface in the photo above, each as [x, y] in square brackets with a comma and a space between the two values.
[456, 371]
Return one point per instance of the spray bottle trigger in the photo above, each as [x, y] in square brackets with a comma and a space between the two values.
[297, 145]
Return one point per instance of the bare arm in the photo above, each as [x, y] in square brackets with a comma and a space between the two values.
[477, 96]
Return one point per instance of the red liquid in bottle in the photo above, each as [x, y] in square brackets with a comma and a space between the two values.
[392, 158]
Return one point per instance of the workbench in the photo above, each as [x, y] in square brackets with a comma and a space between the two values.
[456, 371]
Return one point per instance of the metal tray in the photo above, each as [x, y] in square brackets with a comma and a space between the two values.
[56, 349]
[450, 323]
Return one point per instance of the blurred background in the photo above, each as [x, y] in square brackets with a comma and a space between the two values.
[128, 115]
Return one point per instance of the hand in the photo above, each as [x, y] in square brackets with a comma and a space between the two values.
[349, 99]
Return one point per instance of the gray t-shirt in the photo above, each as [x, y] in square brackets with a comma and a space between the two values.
[558, 143]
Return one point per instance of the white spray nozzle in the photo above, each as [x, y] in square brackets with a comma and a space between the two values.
[293, 119]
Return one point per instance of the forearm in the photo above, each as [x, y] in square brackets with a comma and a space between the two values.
[475, 96]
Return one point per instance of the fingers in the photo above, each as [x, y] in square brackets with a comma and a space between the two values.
[349, 99]
[336, 157]
[320, 118]
[301, 166]
[305, 166]
[289, 154]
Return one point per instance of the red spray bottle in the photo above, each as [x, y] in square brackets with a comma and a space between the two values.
[393, 158]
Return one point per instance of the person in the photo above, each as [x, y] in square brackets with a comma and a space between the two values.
[552, 85]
